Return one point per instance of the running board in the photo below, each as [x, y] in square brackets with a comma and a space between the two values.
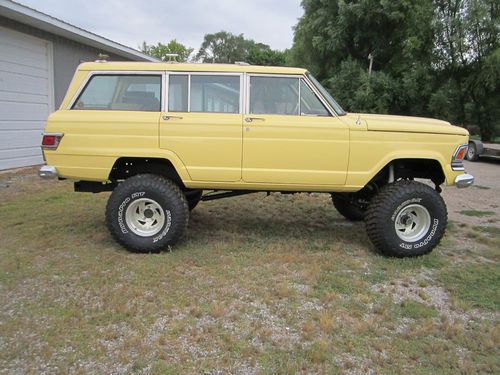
[226, 194]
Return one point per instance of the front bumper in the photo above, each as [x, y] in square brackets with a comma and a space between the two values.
[47, 172]
[464, 180]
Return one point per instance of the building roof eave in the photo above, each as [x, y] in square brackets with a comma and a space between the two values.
[42, 21]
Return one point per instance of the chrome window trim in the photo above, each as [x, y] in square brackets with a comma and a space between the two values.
[93, 73]
[299, 77]
[202, 73]
[320, 97]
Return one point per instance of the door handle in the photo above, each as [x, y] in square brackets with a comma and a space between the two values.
[252, 119]
[168, 117]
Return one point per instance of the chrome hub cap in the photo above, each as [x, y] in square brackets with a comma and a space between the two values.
[145, 217]
[412, 222]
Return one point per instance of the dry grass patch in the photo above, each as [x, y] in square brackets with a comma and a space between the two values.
[259, 285]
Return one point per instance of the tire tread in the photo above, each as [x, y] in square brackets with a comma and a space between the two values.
[147, 181]
[379, 211]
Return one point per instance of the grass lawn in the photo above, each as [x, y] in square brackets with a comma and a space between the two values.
[259, 284]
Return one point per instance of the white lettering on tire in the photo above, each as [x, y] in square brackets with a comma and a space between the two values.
[122, 225]
[427, 239]
[166, 229]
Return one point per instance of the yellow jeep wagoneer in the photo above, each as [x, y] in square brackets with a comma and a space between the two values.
[158, 135]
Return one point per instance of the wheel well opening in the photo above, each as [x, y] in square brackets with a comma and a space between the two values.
[428, 169]
[126, 167]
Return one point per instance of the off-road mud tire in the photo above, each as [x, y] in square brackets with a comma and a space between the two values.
[348, 209]
[394, 200]
[170, 206]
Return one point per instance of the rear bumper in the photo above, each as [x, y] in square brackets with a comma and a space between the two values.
[464, 180]
[48, 172]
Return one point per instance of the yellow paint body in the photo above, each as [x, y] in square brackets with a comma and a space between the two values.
[223, 151]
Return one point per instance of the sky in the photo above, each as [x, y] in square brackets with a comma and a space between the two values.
[130, 22]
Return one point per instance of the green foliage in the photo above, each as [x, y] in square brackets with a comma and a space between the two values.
[267, 56]
[225, 47]
[161, 50]
[437, 58]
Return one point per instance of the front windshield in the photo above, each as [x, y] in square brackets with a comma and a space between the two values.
[336, 107]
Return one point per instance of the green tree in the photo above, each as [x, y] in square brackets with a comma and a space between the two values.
[225, 47]
[160, 50]
[336, 37]
[267, 56]
[468, 66]
[431, 57]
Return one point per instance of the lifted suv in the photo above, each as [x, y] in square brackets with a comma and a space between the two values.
[157, 135]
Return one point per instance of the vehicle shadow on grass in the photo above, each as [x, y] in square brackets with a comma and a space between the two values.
[313, 225]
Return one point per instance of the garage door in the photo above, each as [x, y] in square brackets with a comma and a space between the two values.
[26, 97]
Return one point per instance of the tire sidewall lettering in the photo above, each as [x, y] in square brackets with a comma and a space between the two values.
[121, 222]
[165, 230]
[431, 232]
[122, 208]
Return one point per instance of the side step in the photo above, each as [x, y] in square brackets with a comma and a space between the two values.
[226, 194]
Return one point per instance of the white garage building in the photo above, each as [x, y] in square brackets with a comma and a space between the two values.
[38, 56]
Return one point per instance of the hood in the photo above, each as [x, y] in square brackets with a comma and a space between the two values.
[407, 124]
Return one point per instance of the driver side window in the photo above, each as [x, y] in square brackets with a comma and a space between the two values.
[274, 96]
[280, 96]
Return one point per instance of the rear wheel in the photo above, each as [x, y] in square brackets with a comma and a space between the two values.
[193, 198]
[147, 213]
[406, 219]
[352, 209]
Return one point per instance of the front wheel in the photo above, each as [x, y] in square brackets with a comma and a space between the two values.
[406, 219]
[147, 213]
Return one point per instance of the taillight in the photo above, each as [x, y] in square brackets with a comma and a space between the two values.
[50, 141]
[458, 156]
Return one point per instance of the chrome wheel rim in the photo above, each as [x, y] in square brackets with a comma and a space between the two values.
[470, 152]
[145, 217]
[412, 223]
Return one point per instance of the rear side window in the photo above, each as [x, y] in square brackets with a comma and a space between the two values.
[178, 93]
[211, 93]
[121, 93]
[207, 93]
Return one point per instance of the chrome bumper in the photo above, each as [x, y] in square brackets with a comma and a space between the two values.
[48, 172]
[464, 180]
